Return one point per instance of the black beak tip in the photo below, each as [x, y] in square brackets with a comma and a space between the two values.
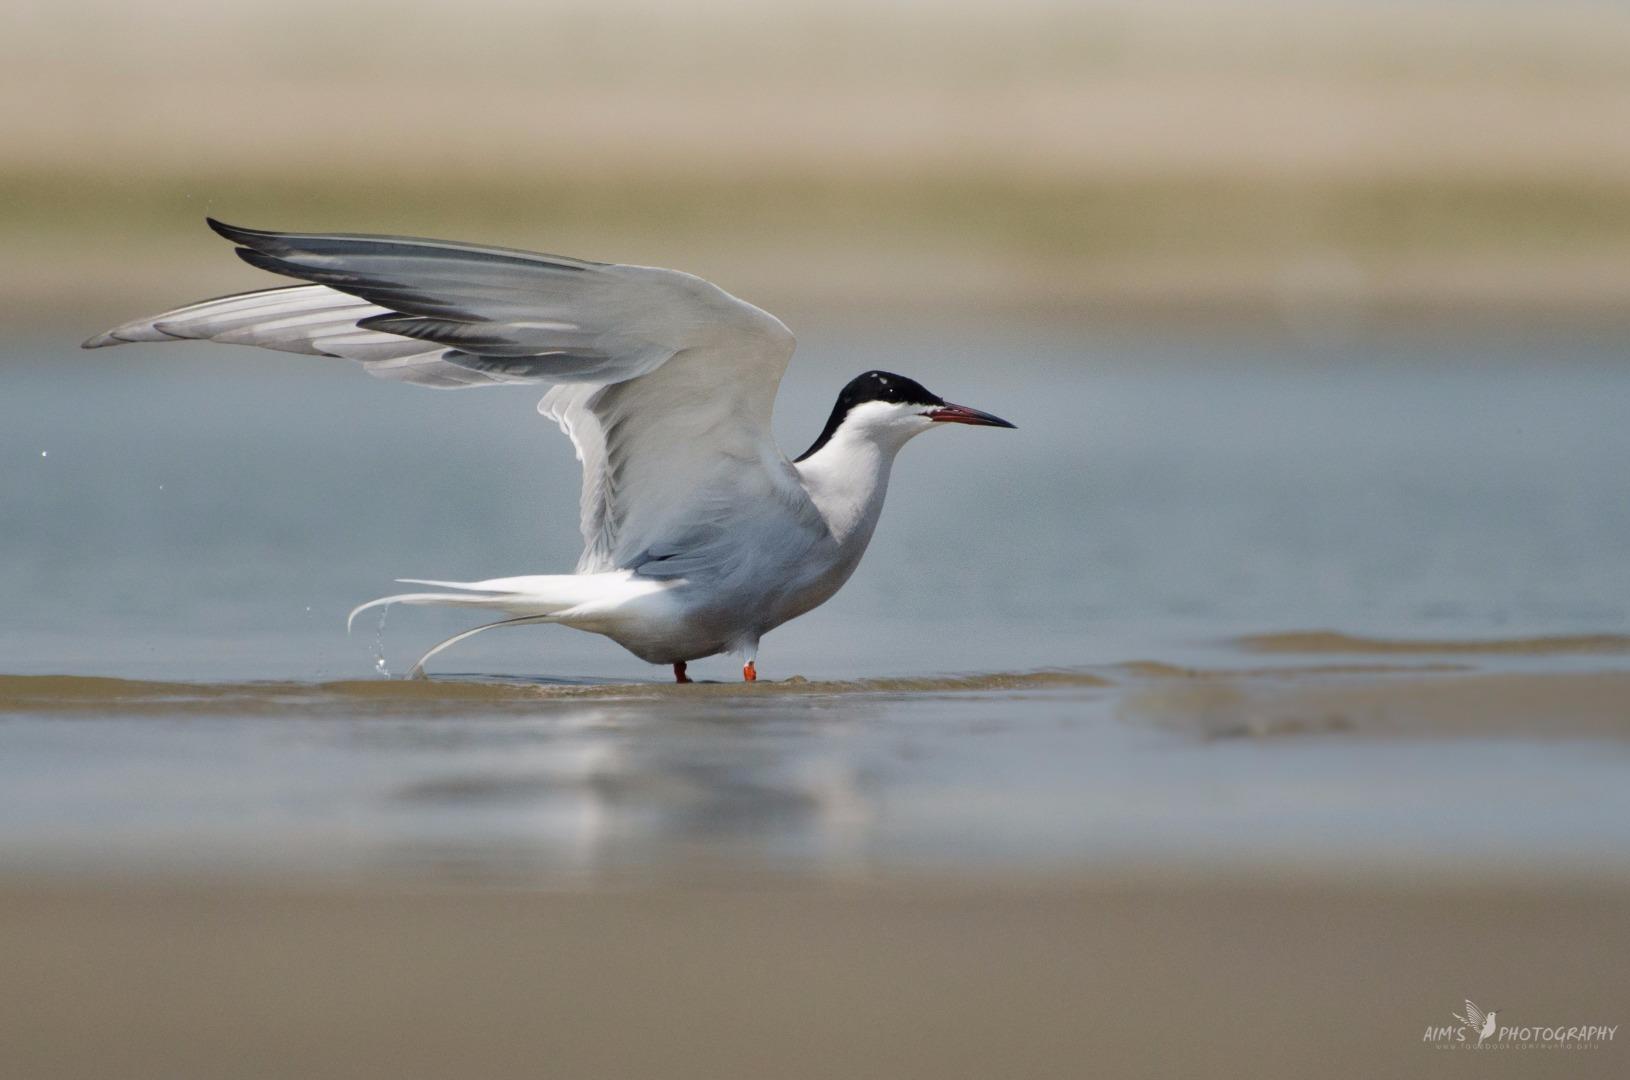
[962, 414]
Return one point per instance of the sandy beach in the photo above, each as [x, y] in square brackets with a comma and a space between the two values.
[1169, 978]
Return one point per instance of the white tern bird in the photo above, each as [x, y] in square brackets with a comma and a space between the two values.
[699, 535]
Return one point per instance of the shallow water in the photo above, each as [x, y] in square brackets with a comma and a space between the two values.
[1400, 768]
[199, 511]
[1187, 550]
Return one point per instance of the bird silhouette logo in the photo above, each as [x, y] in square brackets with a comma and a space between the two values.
[1478, 1020]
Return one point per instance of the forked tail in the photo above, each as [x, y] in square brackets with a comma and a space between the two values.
[534, 599]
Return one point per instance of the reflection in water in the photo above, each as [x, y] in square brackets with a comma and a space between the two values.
[553, 791]
[616, 787]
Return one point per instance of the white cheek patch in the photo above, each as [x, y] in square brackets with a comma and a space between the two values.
[880, 414]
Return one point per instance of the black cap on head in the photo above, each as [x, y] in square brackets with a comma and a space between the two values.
[886, 386]
[873, 386]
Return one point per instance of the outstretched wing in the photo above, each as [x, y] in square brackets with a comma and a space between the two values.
[311, 319]
[668, 380]
[1473, 1017]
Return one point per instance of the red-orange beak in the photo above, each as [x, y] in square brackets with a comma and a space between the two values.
[961, 414]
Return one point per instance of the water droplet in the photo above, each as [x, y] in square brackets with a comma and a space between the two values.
[379, 644]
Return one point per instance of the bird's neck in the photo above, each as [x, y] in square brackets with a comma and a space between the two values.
[847, 480]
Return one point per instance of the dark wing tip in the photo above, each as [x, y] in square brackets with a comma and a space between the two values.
[261, 261]
[240, 235]
[231, 232]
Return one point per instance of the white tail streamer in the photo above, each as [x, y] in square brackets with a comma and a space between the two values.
[417, 671]
[536, 598]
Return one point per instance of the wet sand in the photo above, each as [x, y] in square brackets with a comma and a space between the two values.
[1357, 697]
[1348, 701]
[459, 694]
[1117, 977]
[1330, 641]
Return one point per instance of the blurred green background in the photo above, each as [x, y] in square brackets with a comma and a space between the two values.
[1310, 165]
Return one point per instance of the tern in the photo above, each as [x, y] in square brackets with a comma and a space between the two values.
[699, 535]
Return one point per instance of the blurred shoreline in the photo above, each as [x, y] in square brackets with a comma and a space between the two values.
[1322, 260]
[1318, 167]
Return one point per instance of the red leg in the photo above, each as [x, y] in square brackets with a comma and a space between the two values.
[749, 672]
[679, 672]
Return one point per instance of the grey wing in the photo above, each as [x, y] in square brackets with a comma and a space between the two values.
[668, 380]
[680, 474]
[310, 319]
[497, 314]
